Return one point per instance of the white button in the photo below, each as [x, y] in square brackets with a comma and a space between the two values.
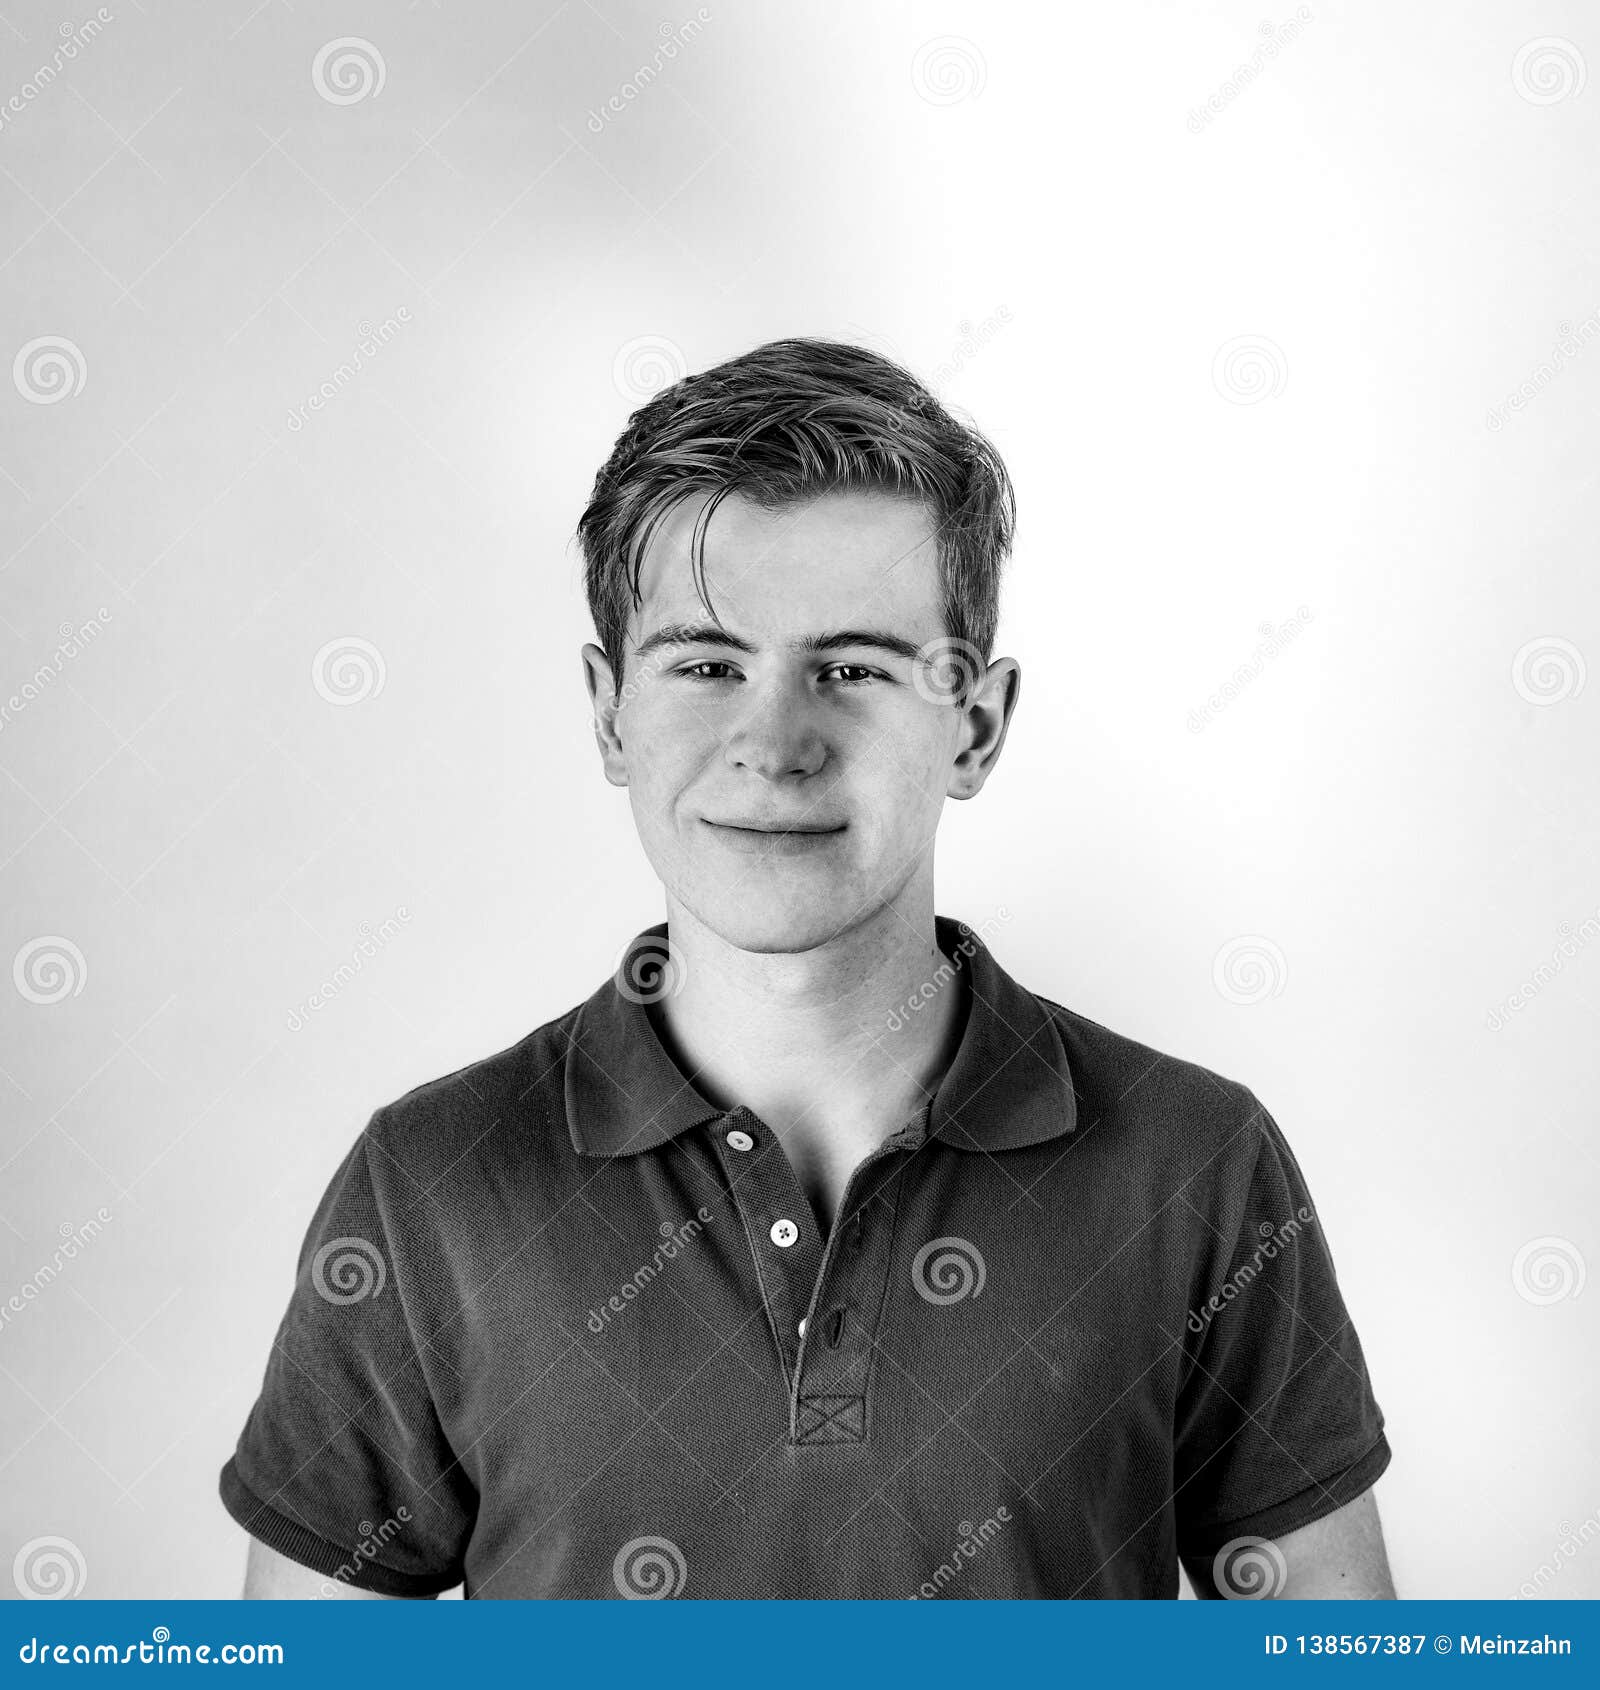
[741, 1141]
[784, 1233]
[802, 1326]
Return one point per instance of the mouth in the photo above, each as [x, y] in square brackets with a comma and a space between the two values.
[769, 829]
[768, 839]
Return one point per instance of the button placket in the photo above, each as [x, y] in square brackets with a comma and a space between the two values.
[784, 1242]
[829, 1403]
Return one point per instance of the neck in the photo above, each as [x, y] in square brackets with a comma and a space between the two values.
[817, 1043]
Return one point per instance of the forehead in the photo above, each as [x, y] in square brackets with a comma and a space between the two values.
[834, 560]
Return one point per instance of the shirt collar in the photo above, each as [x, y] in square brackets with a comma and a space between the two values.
[1007, 1086]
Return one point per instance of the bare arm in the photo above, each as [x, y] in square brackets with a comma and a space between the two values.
[271, 1576]
[1339, 1556]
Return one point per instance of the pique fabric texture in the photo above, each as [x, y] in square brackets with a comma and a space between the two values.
[1075, 1320]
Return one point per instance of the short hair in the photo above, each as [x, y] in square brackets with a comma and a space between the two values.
[780, 425]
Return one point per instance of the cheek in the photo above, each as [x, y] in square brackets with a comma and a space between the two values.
[668, 746]
[906, 773]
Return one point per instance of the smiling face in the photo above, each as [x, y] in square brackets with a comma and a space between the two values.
[787, 764]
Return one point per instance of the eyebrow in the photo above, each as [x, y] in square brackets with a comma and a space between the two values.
[710, 633]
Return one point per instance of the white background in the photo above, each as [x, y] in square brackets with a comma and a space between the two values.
[1396, 218]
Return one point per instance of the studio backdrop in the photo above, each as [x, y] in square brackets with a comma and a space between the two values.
[317, 322]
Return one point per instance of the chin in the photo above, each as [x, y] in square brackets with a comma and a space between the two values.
[768, 923]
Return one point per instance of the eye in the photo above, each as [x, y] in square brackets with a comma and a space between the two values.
[689, 669]
[862, 674]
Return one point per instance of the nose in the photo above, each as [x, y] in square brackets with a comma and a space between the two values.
[777, 736]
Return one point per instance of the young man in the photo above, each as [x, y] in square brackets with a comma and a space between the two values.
[812, 1256]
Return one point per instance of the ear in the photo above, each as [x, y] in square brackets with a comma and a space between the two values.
[984, 720]
[607, 707]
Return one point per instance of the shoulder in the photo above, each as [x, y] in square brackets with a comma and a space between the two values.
[500, 1111]
[1155, 1109]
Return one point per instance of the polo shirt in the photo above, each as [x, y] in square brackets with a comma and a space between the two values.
[562, 1328]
